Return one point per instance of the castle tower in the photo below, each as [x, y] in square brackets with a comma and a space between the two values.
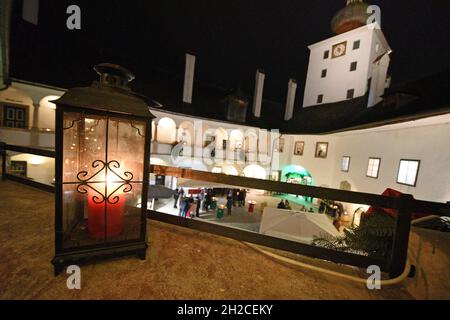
[352, 63]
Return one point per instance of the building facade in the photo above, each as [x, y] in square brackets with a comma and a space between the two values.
[401, 142]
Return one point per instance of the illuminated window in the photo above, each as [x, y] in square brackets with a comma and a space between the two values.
[407, 172]
[373, 167]
[345, 165]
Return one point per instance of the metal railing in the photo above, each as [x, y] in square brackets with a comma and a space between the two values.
[405, 206]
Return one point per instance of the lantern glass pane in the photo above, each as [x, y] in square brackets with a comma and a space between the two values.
[126, 141]
[126, 147]
[84, 143]
[103, 164]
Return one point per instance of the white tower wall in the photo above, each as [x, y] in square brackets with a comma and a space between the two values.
[339, 78]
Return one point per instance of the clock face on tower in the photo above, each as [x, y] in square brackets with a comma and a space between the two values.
[339, 49]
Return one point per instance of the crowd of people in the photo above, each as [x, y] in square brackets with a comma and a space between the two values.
[332, 208]
[235, 197]
[284, 204]
[190, 206]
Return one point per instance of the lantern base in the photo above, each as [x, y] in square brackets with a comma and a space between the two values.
[82, 257]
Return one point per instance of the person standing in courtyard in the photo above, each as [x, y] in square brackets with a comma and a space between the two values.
[229, 203]
[208, 198]
[243, 196]
[176, 196]
[197, 209]
[287, 205]
[235, 196]
[239, 197]
[201, 197]
[183, 207]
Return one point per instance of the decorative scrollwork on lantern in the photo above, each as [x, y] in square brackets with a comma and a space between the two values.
[87, 182]
[81, 176]
[137, 129]
[128, 175]
[72, 123]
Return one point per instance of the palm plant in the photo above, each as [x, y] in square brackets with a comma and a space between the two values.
[373, 237]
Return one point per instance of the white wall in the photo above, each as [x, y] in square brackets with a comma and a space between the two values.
[420, 140]
[429, 144]
[40, 169]
[46, 140]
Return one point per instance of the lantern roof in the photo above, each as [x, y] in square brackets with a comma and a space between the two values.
[110, 94]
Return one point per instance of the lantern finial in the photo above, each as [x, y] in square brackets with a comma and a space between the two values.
[113, 75]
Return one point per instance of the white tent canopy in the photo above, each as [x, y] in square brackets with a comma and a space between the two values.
[296, 225]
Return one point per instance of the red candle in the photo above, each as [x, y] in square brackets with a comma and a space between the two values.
[114, 216]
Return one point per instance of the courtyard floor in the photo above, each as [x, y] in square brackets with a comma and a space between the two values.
[180, 264]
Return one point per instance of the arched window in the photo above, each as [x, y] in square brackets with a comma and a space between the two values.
[236, 140]
[186, 133]
[255, 171]
[166, 131]
[47, 113]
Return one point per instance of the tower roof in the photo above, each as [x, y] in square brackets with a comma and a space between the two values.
[353, 16]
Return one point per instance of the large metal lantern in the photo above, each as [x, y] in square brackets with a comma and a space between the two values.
[103, 135]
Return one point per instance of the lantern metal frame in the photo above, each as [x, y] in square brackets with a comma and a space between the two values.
[84, 253]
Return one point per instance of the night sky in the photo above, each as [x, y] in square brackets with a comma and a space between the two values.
[231, 38]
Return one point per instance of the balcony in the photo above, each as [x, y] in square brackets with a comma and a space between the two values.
[41, 138]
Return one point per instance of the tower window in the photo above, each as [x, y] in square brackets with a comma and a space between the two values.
[373, 167]
[326, 54]
[356, 44]
[320, 98]
[345, 165]
[353, 66]
[350, 93]
[324, 73]
[407, 172]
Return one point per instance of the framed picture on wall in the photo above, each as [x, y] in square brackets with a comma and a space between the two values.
[299, 148]
[322, 150]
